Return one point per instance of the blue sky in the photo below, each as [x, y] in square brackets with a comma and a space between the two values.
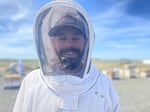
[122, 28]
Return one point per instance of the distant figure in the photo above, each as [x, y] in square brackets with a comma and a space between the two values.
[12, 68]
[20, 68]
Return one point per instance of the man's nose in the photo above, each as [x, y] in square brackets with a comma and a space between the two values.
[69, 43]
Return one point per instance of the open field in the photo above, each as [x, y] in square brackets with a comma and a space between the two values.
[134, 93]
[103, 65]
[7, 97]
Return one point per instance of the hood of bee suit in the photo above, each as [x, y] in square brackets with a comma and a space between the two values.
[51, 18]
[55, 14]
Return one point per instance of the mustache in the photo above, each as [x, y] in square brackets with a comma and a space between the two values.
[69, 50]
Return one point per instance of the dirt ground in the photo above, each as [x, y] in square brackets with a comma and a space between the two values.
[134, 95]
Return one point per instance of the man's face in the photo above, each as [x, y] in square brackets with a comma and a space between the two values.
[69, 44]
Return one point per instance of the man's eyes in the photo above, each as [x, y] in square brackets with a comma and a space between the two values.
[62, 38]
[74, 38]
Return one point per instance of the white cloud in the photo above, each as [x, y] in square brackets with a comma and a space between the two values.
[17, 52]
[25, 30]
[120, 34]
[14, 9]
[18, 41]
[23, 33]
[115, 22]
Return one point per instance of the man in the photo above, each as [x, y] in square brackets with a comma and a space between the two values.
[67, 81]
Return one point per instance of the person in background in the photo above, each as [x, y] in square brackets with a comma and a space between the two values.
[67, 81]
[21, 68]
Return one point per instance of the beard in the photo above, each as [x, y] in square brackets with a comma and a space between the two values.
[70, 63]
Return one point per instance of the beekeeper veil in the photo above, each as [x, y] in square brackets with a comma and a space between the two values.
[50, 20]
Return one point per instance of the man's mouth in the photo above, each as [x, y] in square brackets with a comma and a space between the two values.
[70, 54]
[70, 58]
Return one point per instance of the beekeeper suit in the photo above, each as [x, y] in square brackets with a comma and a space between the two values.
[66, 80]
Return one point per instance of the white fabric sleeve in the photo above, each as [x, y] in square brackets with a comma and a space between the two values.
[18, 106]
[115, 99]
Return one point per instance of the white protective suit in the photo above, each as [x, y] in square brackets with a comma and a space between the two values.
[50, 90]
